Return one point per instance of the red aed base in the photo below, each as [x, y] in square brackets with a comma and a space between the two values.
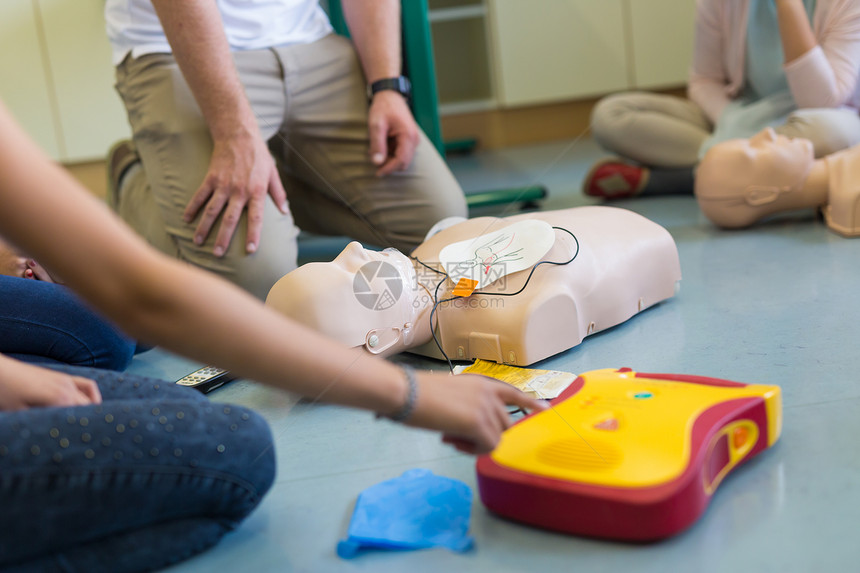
[643, 514]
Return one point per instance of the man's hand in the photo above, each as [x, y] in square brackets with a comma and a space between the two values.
[470, 411]
[241, 170]
[24, 386]
[241, 173]
[375, 29]
[393, 133]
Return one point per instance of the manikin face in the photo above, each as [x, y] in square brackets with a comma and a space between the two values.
[741, 180]
[766, 160]
[774, 154]
[359, 292]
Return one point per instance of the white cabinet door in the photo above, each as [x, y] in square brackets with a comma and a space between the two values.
[662, 41]
[551, 50]
[92, 116]
[23, 80]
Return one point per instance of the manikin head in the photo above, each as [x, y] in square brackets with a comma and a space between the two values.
[742, 180]
[362, 298]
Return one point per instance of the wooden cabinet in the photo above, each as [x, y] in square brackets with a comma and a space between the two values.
[460, 34]
[57, 78]
[553, 50]
[508, 53]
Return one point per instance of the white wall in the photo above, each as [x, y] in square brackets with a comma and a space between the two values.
[56, 76]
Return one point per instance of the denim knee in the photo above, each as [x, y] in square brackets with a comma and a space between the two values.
[46, 322]
[76, 481]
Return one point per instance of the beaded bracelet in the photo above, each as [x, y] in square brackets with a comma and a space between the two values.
[408, 407]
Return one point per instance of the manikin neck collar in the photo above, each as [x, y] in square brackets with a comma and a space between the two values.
[405, 310]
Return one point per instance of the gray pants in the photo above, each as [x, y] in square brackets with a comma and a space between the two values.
[311, 106]
[666, 131]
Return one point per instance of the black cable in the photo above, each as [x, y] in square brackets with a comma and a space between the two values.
[425, 265]
[437, 302]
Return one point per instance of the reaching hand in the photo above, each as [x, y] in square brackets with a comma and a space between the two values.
[393, 133]
[24, 386]
[240, 175]
[470, 410]
[13, 264]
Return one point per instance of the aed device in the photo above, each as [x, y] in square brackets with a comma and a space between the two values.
[628, 455]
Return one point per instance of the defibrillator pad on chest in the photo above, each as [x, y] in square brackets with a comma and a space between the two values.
[489, 257]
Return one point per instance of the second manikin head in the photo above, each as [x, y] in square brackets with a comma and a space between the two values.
[741, 181]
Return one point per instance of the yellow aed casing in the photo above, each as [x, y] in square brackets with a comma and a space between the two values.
[628, 455]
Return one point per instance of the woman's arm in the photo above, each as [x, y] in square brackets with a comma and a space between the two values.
[822, 71]
[708, 80]
[190, 312]
[794, 29]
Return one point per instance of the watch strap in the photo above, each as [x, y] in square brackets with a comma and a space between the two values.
[400, 84]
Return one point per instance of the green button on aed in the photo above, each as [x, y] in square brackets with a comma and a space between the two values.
[643, 395]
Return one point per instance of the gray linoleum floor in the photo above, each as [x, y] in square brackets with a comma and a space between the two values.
[776, 305]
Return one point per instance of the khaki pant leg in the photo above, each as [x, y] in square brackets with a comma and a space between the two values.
[325, 154]
[139, 211]
[653, 129]
[829, 130]
[175, 147]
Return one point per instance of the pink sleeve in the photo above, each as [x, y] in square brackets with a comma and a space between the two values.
[708, 79]
[826, 76]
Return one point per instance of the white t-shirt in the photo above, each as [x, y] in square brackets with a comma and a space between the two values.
[133, 26]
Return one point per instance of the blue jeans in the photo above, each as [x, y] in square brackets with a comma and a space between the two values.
[45, 322]
[153, 475]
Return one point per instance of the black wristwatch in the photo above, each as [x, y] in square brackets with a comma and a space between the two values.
[399, 84]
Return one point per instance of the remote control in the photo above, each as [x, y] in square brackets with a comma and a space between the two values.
[206, 379]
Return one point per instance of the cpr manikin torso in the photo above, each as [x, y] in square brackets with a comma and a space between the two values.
[625, 264]
[743, 181]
